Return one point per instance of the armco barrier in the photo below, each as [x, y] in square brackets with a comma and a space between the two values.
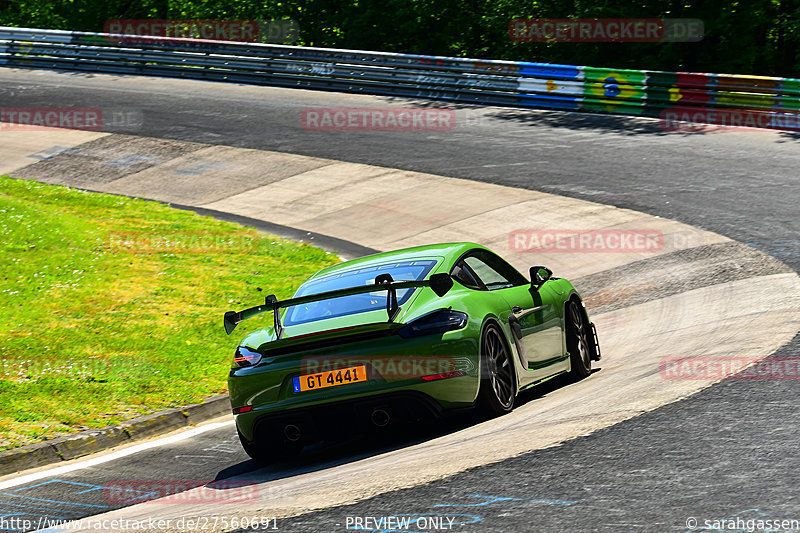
[696, 97]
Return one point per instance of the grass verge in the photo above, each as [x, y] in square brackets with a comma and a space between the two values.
[112, 307]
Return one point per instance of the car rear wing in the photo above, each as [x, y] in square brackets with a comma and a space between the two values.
[439, 283]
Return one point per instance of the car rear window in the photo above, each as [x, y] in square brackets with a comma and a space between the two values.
[357, 303]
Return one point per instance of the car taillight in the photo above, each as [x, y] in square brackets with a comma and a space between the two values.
[246, 357]
[438, 321]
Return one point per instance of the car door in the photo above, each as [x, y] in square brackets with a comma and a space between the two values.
[532, 314]
[537, 313]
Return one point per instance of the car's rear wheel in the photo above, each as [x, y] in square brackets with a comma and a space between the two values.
[267, 447]
[257, 451]
[498, 384]
[578, 344]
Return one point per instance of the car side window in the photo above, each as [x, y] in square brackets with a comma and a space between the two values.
[464, 275]
[492, 272]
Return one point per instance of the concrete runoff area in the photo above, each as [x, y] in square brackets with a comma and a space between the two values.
[385, 209]
[25, 146]
[377, 207]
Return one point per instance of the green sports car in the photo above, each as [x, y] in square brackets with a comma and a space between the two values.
[401, 336]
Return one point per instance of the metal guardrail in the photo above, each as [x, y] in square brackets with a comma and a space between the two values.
[507, 83]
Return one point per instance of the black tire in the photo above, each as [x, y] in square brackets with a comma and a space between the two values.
[259, 454]
[265, 450]
[578, 342]
[498, 384]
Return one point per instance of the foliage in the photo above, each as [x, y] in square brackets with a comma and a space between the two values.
[745, 37]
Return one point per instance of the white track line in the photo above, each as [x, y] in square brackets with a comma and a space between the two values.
[113, 456]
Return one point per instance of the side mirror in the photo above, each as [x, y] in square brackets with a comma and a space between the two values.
[441, 283]
[539, 276]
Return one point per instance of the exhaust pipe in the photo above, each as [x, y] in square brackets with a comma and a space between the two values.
[380, 418]
[292, 432]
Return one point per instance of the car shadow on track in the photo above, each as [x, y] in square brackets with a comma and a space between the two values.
[355, 447]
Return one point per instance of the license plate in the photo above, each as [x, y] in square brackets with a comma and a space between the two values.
[330, 378]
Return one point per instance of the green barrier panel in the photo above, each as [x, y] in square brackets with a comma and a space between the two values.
[661, 91]
[613, 90]
[750, 100]
[790, 86]
[789, 103]
[661, 79]
[650, 93]
[599, 75]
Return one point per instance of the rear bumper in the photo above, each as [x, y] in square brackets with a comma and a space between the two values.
[394, 366]
[342, 418]
[406, 402]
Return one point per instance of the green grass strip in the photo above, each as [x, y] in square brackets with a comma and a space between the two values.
[112, 307]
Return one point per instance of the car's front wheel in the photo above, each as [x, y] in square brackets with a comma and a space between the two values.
[498, 384]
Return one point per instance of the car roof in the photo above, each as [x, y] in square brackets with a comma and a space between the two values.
[448, 252]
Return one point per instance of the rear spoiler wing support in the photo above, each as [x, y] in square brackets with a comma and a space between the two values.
[439, 283]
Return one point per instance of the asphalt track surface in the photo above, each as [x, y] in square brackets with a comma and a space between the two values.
[726, 452]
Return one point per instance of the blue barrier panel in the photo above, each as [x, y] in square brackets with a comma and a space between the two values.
[551, 102]
[548, 70]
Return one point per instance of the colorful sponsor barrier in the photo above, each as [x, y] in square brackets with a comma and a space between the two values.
[722, 100]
